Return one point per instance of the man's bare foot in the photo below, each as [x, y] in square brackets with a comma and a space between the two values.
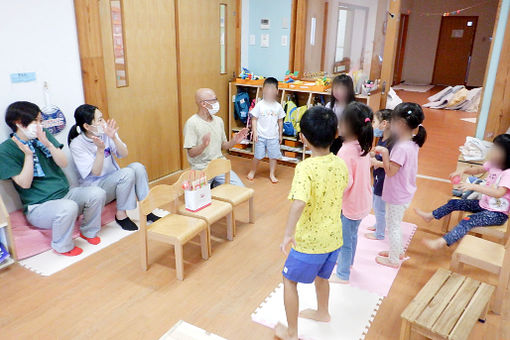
[435, 244]
[251, 175]
[386, 253]
[385, 261]
[273, 179]
[313, 314]
[371, 236]
[282, 332]
[335, 279]
[371, 228]
[427, 216]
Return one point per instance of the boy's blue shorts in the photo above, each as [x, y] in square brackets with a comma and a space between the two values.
[304, 268]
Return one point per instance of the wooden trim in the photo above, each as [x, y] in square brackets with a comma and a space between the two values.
[324, 34]
[179, 80]
[292, 44]
[300, 37]
[88, 27]
[401, 48]
[390, 45]
[238, 36]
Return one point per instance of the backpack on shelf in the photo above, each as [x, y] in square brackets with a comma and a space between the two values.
[242, 106]
[292, 118]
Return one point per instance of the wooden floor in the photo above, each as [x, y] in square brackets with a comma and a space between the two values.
[108, 296]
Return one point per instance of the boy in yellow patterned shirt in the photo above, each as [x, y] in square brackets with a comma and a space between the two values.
[314, 227]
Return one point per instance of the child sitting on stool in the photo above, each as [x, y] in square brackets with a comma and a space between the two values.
[314, 227]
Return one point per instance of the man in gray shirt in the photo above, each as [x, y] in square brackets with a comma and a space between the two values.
[204, 136]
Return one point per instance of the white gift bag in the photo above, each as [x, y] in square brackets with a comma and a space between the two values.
[197, 199]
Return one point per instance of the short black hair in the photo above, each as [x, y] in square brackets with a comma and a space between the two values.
[384, 114]
[319, 125]
[24, 112]
[503, 141]
[271, 81]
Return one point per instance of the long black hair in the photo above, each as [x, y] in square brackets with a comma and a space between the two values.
[413, 116]
[346, 81]
[84, 114]
[503, 141]
[358, 119]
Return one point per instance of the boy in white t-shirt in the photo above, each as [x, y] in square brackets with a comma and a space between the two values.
[267, 126]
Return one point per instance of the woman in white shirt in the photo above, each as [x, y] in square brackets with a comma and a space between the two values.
[342, 93]
[94, 144]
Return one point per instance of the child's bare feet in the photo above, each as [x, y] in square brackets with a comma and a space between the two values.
[251, 175]
[435, 244]
[427, 216]
[371, 236]
[313, 314]
[386, 253]
[371, 228]
[273, 179]
[282, 332]
[385, 261]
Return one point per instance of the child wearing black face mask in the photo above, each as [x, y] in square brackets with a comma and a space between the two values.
[382, 130]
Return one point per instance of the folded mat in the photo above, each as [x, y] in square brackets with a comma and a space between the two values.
[30, 241]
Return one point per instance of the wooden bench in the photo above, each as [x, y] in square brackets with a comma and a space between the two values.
[447, 307]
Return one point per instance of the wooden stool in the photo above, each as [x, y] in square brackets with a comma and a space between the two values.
[447, 307]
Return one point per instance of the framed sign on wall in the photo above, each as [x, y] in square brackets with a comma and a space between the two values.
[119, 44]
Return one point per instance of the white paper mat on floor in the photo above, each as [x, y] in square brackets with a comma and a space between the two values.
[185, 331]
[413, 87]
[469, 120]
[49, 262]
[352, 311]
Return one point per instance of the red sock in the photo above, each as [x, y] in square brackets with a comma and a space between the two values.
[73, 252]
[93, 240]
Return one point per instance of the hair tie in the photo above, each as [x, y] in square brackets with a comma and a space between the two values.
[367, 120]
[78, 129]
[420, 125]
[409, 112]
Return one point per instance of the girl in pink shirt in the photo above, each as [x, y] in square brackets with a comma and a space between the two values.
[357, 132]
[401, 168]
[494, 206]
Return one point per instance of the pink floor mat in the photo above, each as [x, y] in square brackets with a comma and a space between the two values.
[30, 241]
[366, 273]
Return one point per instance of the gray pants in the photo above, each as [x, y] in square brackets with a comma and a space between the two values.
[60, 215]
[234, 180]
[126, 185]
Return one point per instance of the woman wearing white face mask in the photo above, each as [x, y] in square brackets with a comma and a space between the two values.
[94, 143]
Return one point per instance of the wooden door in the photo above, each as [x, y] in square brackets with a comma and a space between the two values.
[454, 48]
[146, 110]
[199, 54]
[401, 48]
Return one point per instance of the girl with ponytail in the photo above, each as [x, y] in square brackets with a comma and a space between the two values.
[357, 133]
[401, 168]
[94, 145]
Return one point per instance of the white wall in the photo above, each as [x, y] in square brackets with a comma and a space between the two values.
[39, 36]
[423, 35]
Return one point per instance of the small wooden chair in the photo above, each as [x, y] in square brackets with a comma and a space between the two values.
[233, 194]
[211, 214]
[486, 255]
[173, 228]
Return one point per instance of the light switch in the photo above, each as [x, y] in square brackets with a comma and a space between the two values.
[284, 40]
[252, 39]
[264, 40]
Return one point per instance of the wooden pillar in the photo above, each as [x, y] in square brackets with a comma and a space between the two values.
[298, 36]
[390, 46]
[88, 26]
[498, 120]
